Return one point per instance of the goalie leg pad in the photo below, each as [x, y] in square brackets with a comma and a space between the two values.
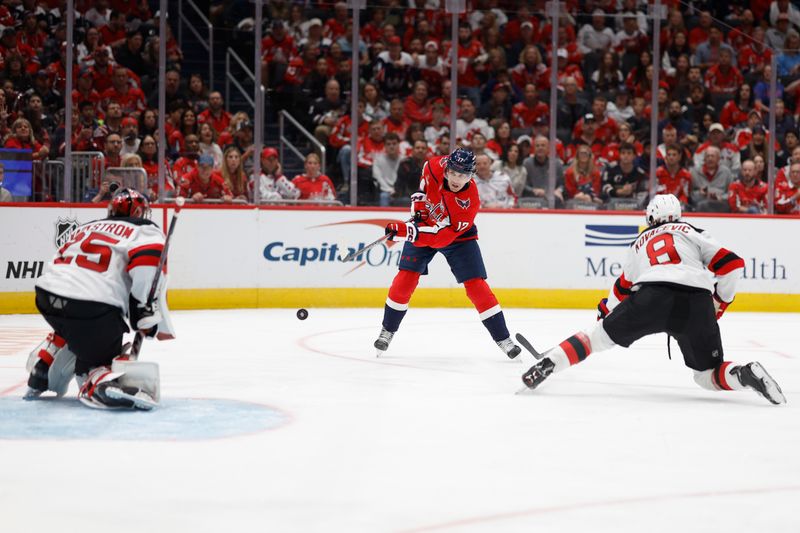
[51, 366]
[111, 388]
[143, 375]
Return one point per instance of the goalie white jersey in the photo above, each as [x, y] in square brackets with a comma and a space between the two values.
[678, 253]
[107, 261]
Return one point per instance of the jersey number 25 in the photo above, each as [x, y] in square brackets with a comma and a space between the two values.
[91, 244]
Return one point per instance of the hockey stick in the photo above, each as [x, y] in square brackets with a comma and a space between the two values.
[528, 346]
[352, 255]
[137, 340]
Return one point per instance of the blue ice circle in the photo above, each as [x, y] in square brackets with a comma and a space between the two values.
[175, 419]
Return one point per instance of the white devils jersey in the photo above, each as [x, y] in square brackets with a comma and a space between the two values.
[106, 261]
[678, 253]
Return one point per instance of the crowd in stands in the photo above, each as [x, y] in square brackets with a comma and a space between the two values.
[712, 99]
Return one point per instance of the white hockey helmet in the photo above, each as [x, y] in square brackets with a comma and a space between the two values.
[663, 208]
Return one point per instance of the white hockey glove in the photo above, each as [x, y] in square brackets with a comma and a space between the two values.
[145, 318]
[720, 306]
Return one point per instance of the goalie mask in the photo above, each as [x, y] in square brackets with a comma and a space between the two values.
[129, 203]
[663, 208]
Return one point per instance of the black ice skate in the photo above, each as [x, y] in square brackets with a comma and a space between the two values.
[382, 343]
[538, 373]
[37, 381]
[753, 376]
[509, 348]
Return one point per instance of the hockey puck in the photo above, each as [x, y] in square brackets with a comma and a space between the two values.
[302, 314]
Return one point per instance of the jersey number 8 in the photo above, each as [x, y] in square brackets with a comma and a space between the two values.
[661, 246]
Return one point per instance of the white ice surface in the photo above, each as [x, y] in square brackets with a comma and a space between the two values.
[432, 437]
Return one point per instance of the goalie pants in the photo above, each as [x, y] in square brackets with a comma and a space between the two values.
[686, 313]
[93, 330]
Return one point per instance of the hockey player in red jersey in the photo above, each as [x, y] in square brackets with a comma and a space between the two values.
[444, 211]
[102, 275]
[677, 279]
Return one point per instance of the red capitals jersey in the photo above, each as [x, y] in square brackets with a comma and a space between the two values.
[452, 215]
[752, 197]
[524, 116]
[678, 184]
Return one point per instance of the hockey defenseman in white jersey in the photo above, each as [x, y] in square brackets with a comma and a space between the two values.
[102, 275]
[677, 279]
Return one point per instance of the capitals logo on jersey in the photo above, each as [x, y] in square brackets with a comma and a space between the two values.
[463, 204]
[64, 229]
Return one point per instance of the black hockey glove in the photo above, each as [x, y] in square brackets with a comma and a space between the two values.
[144, 318]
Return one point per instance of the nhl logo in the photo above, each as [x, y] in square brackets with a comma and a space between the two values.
[463, 204]
[64, 229]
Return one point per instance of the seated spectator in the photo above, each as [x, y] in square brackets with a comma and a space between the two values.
[537, 169]
[113, 150]
[272, 184]
[130, 136]
[205, 183]
[417, 107]
[729, 153]
[129, 54]
[582, 179]
[710, 182]
[571, 107]
[130, 98]
[384, 168]
[394, 69]
[502, 139]
[723, 79]
[498, 108]
[787, 193]
[410, 170]
[494, 187]
[313, 185]
[112, 123]
[747, 194]
[607, 77]
[620, 110]
[113, 33]
[148, 122]
[735, 111]
[468, 123]
[207, 136]
[672, 177]
[440, 125]
[326, 111]
[215, 114]
[710, 53]
[588, 137]
[377, 108]
[780, 7]
[510, 165]
[606, 127]
[630, 41]
[196, 94]
[754, 56]
[625, 179]
[234, 174]
[396, 122]
[414, 133]
[670, 137]
[782, 175]
[188, 157]
[525, 113]
[478, 146]
[596, 37]
[789, 58]
[5, 194]
[675, 119]
[753, 139]
[760, 164]
[243, 141]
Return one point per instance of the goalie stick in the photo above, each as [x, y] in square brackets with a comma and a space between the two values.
[528, 346]
[137, 340]
[352, 255]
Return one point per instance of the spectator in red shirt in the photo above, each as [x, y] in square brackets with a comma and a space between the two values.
[215, 114]
[313, 185]
[131, 99]
[335, 26]
[525, 113]
[417, 107]
[723, 79]
[31, 35]
[21, 138]
[672, 177]
[735, 111]
[471, 59]
[188, 159]
[10, 45]
[103, 69]
[582, 179]
[396, 122]
[747, 194]
[112, 150]
[699, 33]
[113, 33]
[205, 183]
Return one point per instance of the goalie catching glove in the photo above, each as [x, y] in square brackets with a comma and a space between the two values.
[402, 231]
[145, 318]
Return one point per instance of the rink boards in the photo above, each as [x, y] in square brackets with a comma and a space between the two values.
[234, 257]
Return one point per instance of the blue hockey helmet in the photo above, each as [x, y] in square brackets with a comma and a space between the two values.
[461, 161]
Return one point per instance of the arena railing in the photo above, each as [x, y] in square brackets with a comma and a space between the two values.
[131, 177]
[87, 172]
[231, 79]
[283, 116]
[208, 45]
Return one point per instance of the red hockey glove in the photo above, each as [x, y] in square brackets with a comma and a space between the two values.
[402, 231]
[720, 306]
[602, 309]
[419, 207]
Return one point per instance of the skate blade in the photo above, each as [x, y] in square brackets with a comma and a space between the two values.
[91, 402]
[524, 391]
[139, 402]
[773, 391]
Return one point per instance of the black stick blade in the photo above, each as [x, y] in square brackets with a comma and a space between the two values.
[528, 346]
